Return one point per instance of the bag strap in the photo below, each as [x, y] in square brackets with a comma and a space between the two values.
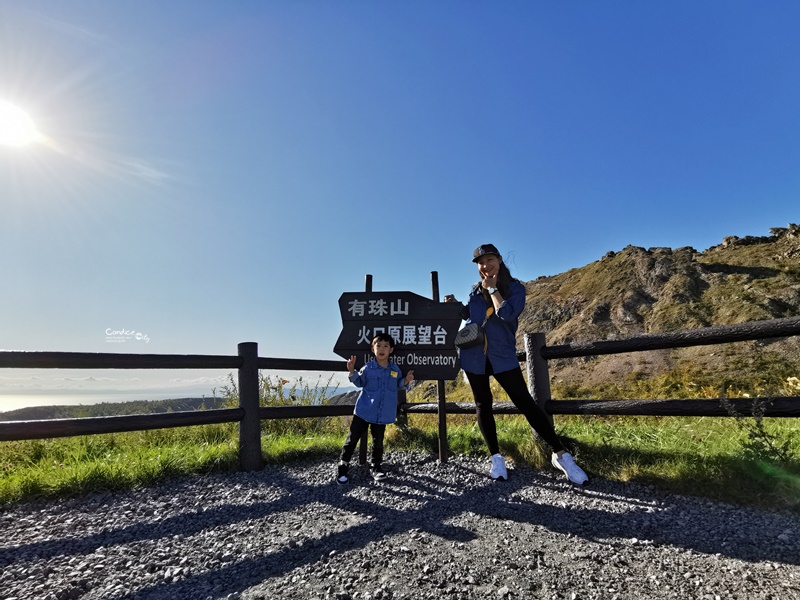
[489, 312]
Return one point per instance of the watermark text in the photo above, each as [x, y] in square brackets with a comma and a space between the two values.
[120, 336]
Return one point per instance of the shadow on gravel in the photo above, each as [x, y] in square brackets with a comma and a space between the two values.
[775, 485]
[603, 512]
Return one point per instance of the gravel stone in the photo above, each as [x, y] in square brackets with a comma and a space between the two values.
[430, 530]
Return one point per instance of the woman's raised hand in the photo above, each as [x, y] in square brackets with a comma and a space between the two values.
[488, 281]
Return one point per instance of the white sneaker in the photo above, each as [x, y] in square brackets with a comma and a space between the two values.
[498, 468]
[341, 473]
[566, 464]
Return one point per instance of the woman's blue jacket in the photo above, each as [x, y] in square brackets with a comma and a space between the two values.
[500, 331]
[377, 402]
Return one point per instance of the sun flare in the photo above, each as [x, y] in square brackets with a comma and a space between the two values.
[16, 126]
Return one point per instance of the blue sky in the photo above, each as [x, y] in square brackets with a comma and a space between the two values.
[219, 172]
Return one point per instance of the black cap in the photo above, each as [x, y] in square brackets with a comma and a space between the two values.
[483, 250]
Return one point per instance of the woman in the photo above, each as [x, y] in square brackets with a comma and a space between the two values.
[503, 298]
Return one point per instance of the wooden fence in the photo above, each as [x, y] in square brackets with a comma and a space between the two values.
[249, 414]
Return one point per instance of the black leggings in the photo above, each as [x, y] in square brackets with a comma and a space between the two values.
[358, 427]
[514, 385]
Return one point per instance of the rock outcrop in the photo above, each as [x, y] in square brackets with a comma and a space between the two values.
[638, 291]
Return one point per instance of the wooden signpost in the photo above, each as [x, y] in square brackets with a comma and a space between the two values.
[423, 330]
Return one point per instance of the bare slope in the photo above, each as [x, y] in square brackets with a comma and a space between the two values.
[653, 290]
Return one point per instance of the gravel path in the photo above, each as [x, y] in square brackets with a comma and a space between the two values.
[429, 531]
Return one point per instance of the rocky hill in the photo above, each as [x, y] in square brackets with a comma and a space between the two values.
[637, 290]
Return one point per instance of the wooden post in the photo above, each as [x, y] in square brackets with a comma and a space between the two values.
[444, 450]
[538, 373]
[402, 418]
[250, 458]
[362, 444]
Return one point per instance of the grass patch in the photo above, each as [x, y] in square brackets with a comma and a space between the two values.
[298, 444]
[715, 458]
[699, 456]
[71, 466]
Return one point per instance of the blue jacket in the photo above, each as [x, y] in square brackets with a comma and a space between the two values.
[377, 402]
[500, 330]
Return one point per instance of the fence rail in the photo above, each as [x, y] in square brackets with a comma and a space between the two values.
[783, 406]
[249, 414]
[53, 428]
[722, 334]
[100, 360]
[537, 355]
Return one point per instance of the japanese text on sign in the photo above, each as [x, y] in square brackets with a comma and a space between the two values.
[423, 330]
[369, 308]
[420, 335]
[406, 334]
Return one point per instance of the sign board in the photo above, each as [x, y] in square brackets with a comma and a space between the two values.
[424, 331]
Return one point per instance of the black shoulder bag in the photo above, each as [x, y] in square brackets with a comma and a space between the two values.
[472, 335]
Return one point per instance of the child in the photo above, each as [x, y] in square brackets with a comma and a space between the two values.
[376, 405]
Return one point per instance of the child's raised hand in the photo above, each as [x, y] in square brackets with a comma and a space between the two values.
[409, 377]
[351, 364]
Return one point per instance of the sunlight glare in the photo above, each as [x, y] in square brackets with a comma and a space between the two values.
[16, 126]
